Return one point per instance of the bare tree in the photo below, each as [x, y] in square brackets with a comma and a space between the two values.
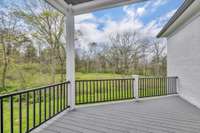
[125, 51]
[158, 48]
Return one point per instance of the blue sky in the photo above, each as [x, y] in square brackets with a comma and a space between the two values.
[154, 9]
[146, 17]
[164, 6]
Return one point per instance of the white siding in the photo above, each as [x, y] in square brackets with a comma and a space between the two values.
[184, 59]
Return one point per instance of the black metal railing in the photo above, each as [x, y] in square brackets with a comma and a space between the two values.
[94, 91]
[157, 86]
[25, 110]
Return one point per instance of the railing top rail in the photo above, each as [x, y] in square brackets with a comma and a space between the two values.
[31, 90]
[105, 79]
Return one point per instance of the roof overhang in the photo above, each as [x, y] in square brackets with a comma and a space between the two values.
[184, 13]
[86, 6]
[76, 2]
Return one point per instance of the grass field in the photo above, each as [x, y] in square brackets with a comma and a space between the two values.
[35, 79]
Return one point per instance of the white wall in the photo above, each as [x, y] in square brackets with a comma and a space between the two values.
[184, 59]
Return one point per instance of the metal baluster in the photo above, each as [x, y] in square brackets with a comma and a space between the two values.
[113, 89]
[83, 92]
[54, 100]
[124, 92]
[145, 80]
[94, 92]
[27, 112]
[103, 90]
[117, 89]
[11, 114]
[61, 98]
[122, 89]
[127, 89]
[33, 108]
[45, 94]
[86, 87]
[91, 96]
[119, 85]
[57, 98]
[107, 88]
[67, 94]
[100, 90]
[49, 102]
[97, 87]
[64, 88]
[20, 113]
[40, 106]
[76, 93]
[110, 81]
[79, 93]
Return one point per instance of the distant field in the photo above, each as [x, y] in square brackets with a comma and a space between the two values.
[34, 80]
[83, 76]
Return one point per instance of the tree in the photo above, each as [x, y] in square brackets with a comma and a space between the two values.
[158, 48]
[125, 50]
[47, 26]
[30, 54]
[11, 37]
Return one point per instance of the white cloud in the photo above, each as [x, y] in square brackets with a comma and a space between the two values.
[149, 7]
[84, 17]
[159, 2]
[153, 27]
[163, 19]
[89, 24]
[141, 11]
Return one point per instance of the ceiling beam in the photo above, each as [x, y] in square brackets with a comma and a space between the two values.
[95, 5]
[60, 5]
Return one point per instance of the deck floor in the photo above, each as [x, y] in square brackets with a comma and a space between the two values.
[163, 115]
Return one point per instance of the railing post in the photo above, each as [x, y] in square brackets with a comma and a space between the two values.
[178, 85]
[136, 86]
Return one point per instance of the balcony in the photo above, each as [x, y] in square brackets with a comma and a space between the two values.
[128, 105]
[140, 104]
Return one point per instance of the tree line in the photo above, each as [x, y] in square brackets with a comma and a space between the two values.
[36, 37]
[124, 53]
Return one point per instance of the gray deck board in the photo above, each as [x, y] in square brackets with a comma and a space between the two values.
[164, 115]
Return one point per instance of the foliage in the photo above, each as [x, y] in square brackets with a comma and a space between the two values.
[32, 48]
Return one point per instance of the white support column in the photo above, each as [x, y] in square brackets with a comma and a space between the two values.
[70, 63]
[136, 86]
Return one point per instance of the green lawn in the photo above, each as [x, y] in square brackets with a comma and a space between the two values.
[35, 79]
